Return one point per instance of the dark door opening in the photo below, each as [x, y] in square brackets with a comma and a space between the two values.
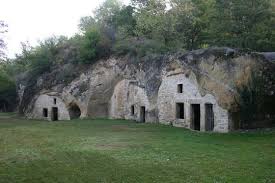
[142, 114]
[132, 110]
[196, 117]
[45, 112]
[74, 111]
[180, 110]
[54, 114]
[209, 117]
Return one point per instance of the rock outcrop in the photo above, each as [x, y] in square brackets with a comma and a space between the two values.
[233, 83]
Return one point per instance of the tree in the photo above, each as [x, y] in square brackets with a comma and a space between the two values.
[105, 14]
[186, 26]
[7, 90]
[150, 19]
[89, 45]
[140, 3]
[125, 22]
[3, 30]
[243, 24]
[41, 58]
[86, 23]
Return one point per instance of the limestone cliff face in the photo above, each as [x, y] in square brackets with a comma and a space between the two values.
[119, 87]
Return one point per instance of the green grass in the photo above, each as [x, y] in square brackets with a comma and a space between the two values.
[124, 151]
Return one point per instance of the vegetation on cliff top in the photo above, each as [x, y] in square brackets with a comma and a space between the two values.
[158, 26]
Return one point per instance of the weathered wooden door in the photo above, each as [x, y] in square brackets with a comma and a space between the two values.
[196, 117]
[54, 114]
[209, 117]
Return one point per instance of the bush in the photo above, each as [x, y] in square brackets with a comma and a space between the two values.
[7, 92]
[139, 47]
[94, 44]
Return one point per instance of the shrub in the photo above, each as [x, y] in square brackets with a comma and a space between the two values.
[139, 47]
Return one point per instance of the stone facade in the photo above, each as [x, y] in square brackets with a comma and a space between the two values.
[169, 96]
[44, 108]
[128, 98]
[127, 102]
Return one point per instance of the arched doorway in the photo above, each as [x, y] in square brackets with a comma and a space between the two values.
[74, 111]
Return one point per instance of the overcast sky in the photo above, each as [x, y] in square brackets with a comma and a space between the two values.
[33, 20]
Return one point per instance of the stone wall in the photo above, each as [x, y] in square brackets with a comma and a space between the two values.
[126, 94]
[46, 101]
[168, 97]
[118, 105]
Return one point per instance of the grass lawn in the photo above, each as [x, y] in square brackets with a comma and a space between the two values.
[124, 151]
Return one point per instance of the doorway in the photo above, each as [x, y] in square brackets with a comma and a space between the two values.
[74, 111]
[54, 114]
[132, 110]
[196, 117]
[209, 117]
[45, 112]
[180, 110]
[142, 114]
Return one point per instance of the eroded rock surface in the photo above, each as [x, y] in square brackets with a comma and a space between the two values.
[122, 88]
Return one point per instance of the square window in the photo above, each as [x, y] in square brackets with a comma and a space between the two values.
[180, 110]
[180, 88]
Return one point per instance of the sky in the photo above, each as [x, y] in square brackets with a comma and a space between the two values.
[34, 20]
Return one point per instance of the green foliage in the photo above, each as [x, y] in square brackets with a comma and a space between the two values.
[105, 14]
[192, 19]
[195, 23]
[6, 82]
[125, 22]
[39, 59]
[150, 20]
[86, 23]
[243, 24]
[89, 45]
[139, 47]
[7, 90]
[3, 30]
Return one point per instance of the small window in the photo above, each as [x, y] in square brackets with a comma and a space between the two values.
[132, 110]
[180, 88]
[45, 112]
[180, 110]
[54, 101]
